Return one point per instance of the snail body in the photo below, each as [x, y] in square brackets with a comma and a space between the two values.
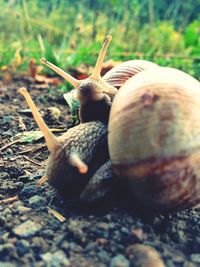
[72, 160]
[63, 169]
[154, 138]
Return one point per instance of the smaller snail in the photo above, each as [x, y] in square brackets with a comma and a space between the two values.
[96, 93]
[75, 156]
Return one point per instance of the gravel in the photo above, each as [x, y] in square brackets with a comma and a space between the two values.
[105, 234]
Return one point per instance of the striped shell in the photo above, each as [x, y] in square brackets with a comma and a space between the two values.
[154, 138]
[118, 75]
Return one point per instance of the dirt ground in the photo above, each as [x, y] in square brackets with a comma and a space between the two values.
[106, 234]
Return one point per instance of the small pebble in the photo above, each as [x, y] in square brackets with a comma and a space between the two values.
[22, 247]
[76, 231]
[195, 258]
[48, 233]
[2, 221]
[189, 264]
[37, 201]
[101, 241]
[38, 244]
[7, 251]
[7, 211]
[143, 256]
[65, 246]
[104, 256]
[3, 175]
[56, 259]
[138, 234]
[16, 204]
[16, 185]
[23, 218]
[103, 226]
[29, 191]
[9, 152]
[119, 261]
[27, 229]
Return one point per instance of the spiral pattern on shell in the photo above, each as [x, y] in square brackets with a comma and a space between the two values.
[154, 138]
[118, 75]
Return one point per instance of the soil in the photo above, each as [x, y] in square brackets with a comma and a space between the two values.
[103, 234]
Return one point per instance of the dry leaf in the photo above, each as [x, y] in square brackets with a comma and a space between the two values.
[34, 70]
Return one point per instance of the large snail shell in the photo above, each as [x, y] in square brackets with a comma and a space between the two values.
[154, 138]
[118, 75]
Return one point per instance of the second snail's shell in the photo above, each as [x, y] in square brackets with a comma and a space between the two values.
[118, 75]
[154, 138]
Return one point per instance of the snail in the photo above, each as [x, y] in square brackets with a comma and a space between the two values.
[154, 138]
[72, 160]
[153, 142]
[96, 93]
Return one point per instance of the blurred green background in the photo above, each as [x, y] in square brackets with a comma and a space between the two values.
[70, 32]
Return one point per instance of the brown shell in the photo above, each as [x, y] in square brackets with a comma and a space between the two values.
[154, 138]
[118, 75]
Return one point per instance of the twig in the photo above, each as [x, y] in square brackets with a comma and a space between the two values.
[18, 141]
[32, 161]
[56, 214]
[8, 145]
[33, 150]
[9, 200]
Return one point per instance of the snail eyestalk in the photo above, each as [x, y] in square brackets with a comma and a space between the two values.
[97, 69]
[75, 161]
[61, 72]
[50, 139]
